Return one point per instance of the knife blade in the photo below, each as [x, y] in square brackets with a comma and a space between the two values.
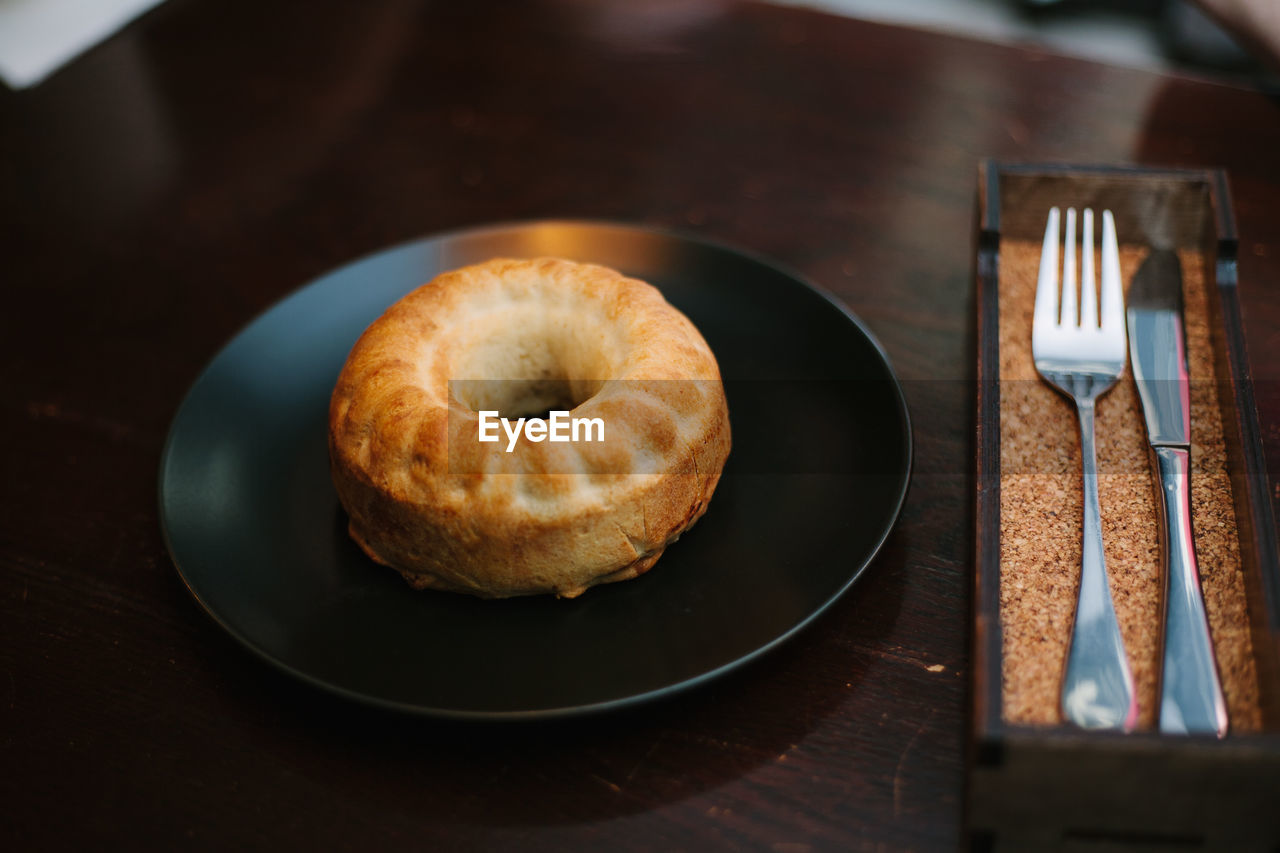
[1191, 700]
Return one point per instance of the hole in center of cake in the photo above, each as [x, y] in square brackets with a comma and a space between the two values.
[526, 376]
[535, 398]
[523, 398]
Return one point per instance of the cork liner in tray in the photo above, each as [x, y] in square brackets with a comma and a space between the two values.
[1040, 503]
[1035, 782]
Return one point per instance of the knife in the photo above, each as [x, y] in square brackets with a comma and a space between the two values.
[1190, 694]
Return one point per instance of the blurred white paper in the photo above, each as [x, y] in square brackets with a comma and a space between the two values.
[37, 37]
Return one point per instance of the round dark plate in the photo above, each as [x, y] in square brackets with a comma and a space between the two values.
[819, 471]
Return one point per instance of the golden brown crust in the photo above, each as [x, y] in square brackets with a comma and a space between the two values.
[449, 512]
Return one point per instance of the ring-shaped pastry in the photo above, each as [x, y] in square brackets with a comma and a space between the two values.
[521, 515]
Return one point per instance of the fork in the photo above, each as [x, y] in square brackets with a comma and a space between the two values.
[1082, 354]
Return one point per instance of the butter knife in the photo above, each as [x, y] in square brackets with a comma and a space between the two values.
[1190, 694]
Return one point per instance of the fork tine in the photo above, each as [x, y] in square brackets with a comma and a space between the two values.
[1046, 314]
[1070, 317]
[1112, 289]
[1088, 282]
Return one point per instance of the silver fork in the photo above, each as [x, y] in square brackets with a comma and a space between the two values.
[1083, 356]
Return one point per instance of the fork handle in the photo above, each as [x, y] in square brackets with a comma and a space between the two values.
[1097, 691]
[1191, 699]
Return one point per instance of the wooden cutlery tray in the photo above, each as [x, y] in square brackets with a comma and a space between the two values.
[1035, 782]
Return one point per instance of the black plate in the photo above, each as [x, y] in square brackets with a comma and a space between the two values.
[819, 470]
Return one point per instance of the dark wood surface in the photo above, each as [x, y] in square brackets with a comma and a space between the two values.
[175, 181]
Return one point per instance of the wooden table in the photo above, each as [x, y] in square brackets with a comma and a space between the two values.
[167, 187]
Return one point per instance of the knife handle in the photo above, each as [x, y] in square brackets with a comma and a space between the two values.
[1190, 695]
